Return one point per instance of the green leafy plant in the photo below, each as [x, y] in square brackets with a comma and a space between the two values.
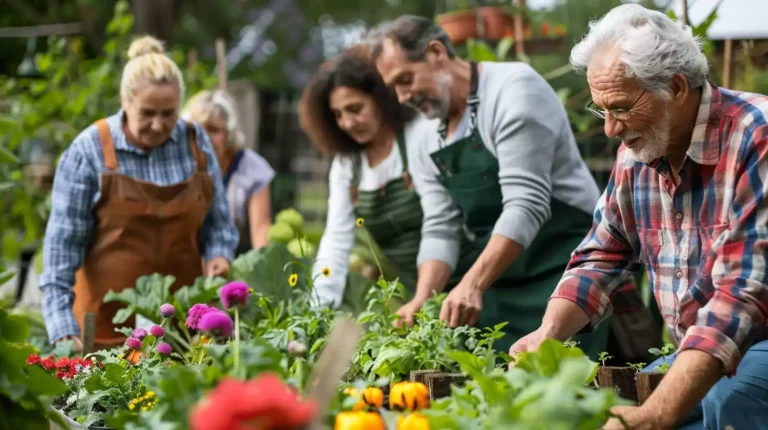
[663, 353]
[603, 357]
[637, 367]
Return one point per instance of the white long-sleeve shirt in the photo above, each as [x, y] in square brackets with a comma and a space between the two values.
[339, 235]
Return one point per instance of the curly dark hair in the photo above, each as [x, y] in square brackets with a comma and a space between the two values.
[353, 68]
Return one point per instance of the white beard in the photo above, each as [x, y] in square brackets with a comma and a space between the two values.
[656, 141]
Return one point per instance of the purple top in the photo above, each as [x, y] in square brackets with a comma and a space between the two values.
[248, 174]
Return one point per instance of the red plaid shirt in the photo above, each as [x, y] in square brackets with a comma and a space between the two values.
[704, 242]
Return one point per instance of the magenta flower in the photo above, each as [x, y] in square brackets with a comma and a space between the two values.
[139, 333]
[133, 343]
[195, 313]
[156, 331]
[217, 323]
[167, 310]
[164, 349]
[234, 294]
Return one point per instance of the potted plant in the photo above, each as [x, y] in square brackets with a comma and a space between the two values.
[497, 21]
[459, 22]
[622, 379]
[648, 381]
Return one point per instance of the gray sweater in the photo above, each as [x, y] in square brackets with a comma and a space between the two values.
[525, 126]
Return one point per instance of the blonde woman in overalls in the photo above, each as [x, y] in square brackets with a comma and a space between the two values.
[136, 193]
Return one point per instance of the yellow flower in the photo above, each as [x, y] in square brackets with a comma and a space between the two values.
[250, 290]
[293, 279]
[326, 271]
[149, 394]
[360, 222]
[131, 406]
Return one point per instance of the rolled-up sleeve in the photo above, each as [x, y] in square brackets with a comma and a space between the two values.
[442, 222]
[736, 313]
[219, 236]
[66, 238]
[601, 266]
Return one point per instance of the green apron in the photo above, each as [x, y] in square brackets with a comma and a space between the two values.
[393, 216]
[470, 173]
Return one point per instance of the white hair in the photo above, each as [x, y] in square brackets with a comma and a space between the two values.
[654, 48]
[207, 103]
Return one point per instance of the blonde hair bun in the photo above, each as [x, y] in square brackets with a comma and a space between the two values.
[145, 45]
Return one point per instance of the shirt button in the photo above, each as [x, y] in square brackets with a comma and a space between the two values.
[679, 215]
[679, 274]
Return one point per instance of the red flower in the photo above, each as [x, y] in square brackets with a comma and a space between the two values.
[63, 363]
[48, 363]
[33, 359]
[264, 403]
[60, 374]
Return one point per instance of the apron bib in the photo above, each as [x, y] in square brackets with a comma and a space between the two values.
[393, 216]
[519, 297]
[139, 229]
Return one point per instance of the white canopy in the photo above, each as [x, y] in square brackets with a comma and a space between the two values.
[736, 19]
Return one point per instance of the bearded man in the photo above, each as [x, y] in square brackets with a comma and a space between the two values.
[687, 197]
[505, 172]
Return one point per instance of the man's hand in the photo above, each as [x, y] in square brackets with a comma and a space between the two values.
[407, 312]
[463, 305]
[636, 417]
[77, 344]
[529, 342]
[219, 266]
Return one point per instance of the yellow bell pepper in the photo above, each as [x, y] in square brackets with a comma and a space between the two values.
[408, 395]
[372, 396]
[359, 421]
[414, 421]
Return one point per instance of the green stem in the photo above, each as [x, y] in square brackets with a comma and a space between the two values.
[237, 339]
[179, 339]
[375, 257]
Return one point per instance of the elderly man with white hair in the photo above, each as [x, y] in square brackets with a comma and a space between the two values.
[687, 198]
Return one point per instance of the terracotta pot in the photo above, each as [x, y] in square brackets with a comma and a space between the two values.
[621, 379]
[497, 22]
[646, 383]
[459, 25]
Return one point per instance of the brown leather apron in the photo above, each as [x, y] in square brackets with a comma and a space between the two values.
[139, 229]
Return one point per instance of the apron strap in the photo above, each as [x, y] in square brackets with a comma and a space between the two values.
[195, 148]
[404, 157]
[107, 145]
[357, 166]
[473, 101]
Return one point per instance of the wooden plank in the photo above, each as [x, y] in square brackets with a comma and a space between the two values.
[333, 361]
[727, 60]
[221, 63]
[89, 330]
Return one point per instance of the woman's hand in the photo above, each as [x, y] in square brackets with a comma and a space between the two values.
[219, 266]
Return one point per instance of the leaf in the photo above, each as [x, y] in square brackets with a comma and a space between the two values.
[113, 373]
[7, 157]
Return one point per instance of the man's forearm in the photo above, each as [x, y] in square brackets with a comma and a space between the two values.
[433, 276]
[688, 380]
[563, 319]
[498, 255]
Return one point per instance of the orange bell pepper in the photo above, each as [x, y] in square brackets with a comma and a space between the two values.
[408, 395]
[359, 421]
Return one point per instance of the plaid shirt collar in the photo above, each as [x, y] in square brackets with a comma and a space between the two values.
[705, 140]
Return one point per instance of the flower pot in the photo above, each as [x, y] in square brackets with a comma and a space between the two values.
[621, 379]
[497, 22]
[646, 383]
[459, 25]
[74, 425]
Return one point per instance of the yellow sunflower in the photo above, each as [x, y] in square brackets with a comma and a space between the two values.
[326, 271]
[360, 222]
[293, 279]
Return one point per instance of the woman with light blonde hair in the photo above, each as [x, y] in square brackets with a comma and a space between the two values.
[247, 175]
[136, 193]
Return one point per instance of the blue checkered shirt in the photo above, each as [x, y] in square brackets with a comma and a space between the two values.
[76, 191]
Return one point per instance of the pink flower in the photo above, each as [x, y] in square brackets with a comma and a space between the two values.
[139, 333]
[234, 294]
[156, 331]
[195, 313]
[133, 343]
[167, 310]
[164, 349]
[216, 322]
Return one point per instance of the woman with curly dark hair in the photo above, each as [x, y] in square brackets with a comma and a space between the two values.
[349, 113]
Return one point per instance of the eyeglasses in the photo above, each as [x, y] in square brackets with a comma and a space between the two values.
[619, 114]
